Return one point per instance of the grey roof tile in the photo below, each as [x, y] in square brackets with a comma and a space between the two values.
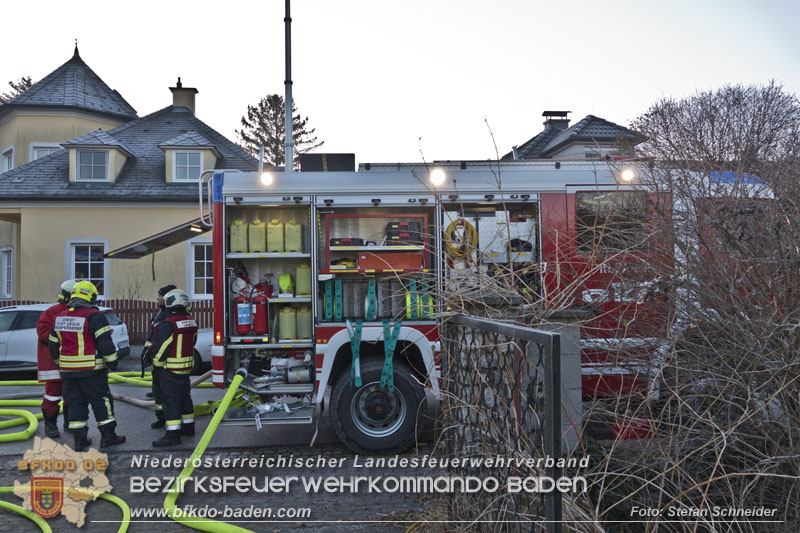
[191, 138]
[74, 85]
[97, 138]
[590, 128]
[142, 178]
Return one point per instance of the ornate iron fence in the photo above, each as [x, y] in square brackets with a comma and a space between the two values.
[502, 400]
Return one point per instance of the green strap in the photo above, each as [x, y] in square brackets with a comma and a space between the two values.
[372, 300]
[389, 342]
[426, 301]
[413, 306]
[337, 300]
[328, 300]
[355, 348]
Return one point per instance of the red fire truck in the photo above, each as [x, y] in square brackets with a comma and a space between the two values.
[335, 279]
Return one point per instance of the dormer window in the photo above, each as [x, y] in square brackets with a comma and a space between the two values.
[187, 165]
[92, 165]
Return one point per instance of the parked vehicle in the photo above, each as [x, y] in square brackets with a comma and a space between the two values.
[18, 335]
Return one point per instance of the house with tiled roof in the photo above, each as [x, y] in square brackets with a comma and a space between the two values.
[106, 187]
[590, 138]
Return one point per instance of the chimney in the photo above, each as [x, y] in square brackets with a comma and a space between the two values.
[183, 96]
[556, 119]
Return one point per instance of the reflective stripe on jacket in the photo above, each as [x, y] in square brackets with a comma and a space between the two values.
[176, 352]
[77, 347]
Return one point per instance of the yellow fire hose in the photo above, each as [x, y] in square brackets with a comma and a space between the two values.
[204, 524]
[39, 521]
[20, 435]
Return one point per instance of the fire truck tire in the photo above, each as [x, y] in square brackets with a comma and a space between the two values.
[371, 420]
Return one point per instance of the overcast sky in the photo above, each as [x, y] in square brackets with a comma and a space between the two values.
[376, 76]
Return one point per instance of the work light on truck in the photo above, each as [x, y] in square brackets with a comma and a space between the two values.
[266, 178]
[627, 175]
[437, 177]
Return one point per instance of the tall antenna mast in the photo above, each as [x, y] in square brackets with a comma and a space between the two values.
[289, 142]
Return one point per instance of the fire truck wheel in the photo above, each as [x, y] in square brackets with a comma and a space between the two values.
[372, 420]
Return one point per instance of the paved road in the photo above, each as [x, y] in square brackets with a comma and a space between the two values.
[228, 442]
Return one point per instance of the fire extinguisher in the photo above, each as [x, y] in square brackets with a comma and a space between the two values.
[264, 286]
[259, 313]
[241, 314]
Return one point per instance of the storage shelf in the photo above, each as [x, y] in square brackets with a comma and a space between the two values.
[268, 255]
[371, 270]
[293, 299]
[404, 248]
[246, 343]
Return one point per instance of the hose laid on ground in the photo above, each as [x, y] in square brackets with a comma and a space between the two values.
[45, 527]
[119, 377]
[204, 524]
[30, 515]
[20, 435]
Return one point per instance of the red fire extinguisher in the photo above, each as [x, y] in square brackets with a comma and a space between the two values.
[264, 286]
[259, 314]
[241, 314]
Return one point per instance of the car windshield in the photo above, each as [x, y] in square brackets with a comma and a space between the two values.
[113, 319]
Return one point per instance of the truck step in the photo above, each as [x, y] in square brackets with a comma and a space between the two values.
[245, 416]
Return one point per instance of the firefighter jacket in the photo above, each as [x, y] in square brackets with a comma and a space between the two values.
[173, 343]
[81, 340]
[47, 367]
[160, 314]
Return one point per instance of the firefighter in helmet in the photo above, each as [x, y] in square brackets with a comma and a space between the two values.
[47, 368]
[81, 343]
[173, 347]
[147, 355]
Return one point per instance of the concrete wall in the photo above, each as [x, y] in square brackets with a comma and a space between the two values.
[56, 127]
[45, 232]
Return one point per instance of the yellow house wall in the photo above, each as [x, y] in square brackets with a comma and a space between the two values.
[209, 161]
[22, 130]
[45, 232]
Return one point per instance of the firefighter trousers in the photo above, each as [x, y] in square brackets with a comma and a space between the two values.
[80, 393]
[52, 397]
[158, 398]
[177, 398]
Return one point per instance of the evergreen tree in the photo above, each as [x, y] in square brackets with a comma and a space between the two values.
[265, 125]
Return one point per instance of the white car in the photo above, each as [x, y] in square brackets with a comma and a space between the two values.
[205, 338]
[18, 340]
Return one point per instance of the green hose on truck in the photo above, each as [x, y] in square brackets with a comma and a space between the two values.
[205, 524]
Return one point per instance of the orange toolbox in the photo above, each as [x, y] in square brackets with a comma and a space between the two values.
[389, 260]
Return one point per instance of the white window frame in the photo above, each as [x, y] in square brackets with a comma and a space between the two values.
[69, 262]
[6, 272]
[190, 279]
[8, 151]
[32, 147]
[78, 164]
[175, 165]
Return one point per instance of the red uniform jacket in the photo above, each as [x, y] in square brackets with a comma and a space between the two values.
[47, 367]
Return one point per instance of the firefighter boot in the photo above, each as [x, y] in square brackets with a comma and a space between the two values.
[109, 436]
[187, 430]
[51, 427]
[171, 438]
[66, 419]
[81, 442]
[160, 420]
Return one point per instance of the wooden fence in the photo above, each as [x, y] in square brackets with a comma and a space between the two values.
[136, 314]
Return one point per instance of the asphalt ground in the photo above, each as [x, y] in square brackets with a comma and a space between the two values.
[135, 459]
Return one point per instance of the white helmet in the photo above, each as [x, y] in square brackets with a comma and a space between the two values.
[66, 290]
[176, 298]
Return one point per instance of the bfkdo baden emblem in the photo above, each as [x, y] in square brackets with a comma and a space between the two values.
[48, 495]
